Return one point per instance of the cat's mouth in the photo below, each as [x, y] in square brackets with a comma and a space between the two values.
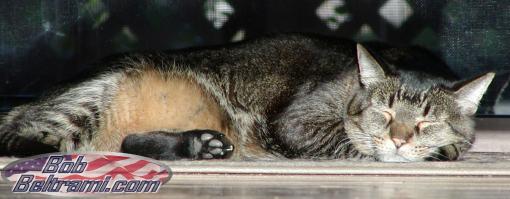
[393, 158]
[387, 150]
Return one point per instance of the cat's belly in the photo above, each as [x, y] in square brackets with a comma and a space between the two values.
[150, 102]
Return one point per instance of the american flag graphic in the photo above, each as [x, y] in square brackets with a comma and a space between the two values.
[99, 165]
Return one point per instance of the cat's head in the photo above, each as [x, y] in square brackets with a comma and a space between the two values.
[396, 120]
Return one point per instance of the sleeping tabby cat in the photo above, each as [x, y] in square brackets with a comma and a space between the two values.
[284, 96]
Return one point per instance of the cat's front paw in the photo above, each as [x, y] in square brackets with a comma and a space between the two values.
[20, 142]
[208, 144]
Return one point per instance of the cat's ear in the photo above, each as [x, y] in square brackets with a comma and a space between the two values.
[471, 92]
[370, 72]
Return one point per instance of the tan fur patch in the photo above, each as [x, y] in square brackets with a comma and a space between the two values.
[149, 101]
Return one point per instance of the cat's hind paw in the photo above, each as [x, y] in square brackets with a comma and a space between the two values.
[208, 144]
[194, 145]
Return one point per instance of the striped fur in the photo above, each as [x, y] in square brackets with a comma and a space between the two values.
[287, 96]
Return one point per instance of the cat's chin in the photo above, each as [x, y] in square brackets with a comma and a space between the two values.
[394, 158]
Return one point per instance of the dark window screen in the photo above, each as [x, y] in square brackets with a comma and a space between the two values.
[46, 42]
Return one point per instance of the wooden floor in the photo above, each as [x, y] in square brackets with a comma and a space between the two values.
[480, 175]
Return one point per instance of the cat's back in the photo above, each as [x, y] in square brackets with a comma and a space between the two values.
[268, 71]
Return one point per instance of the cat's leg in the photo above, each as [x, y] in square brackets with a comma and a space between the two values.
[194, 144]
[63, 122]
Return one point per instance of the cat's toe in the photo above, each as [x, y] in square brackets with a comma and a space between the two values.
[215, 143]
[207, 156]
[206, 136]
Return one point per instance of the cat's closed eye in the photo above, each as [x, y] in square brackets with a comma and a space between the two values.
[421, 125]
[388, 116]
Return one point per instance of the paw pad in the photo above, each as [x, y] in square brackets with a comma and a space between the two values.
[214, 145]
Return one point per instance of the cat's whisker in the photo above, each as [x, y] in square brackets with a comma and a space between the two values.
[468, 142]
[342, 147]
[435, 158]
[342, 142]
[439, 154]
[345, 139]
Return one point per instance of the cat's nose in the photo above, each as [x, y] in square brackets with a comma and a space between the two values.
[400, 133]
[398, 142]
